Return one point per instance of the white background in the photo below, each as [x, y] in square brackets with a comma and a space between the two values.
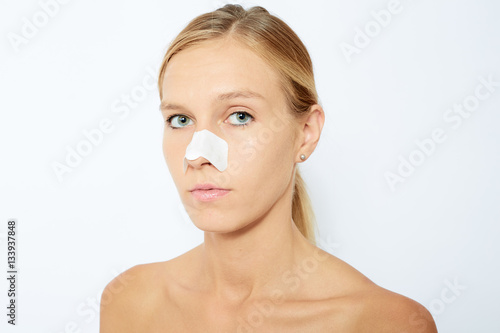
[119, 206]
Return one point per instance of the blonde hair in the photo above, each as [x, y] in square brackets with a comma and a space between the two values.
[275, 42]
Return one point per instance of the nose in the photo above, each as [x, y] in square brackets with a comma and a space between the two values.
[197, 163]
[206, 148]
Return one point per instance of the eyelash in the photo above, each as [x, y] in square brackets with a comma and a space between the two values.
[169, 119]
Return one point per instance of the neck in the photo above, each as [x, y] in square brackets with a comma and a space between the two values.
[251, 262]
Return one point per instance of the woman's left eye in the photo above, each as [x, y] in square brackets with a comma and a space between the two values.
[240, 118]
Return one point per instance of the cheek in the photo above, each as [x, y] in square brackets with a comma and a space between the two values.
[173, 151]
[167, 153]
[277, 158]
[259, 157]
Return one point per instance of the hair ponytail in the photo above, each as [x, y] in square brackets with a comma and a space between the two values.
[302, 212]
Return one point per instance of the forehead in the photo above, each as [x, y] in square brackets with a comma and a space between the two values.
[215, 67]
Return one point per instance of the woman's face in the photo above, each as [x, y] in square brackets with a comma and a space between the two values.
[225, 88]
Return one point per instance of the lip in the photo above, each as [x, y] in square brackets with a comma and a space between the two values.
[207, 186]
[209, 195]
[208, 192]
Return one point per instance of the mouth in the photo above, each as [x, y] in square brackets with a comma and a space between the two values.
[208, 192]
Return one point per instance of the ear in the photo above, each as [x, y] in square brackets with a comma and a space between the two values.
[310, 131]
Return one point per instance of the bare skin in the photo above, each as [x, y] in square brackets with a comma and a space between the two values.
[254, 272]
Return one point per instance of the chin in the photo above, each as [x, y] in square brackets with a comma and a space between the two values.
[216, 223]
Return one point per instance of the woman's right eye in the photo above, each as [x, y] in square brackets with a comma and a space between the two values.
[178, 120]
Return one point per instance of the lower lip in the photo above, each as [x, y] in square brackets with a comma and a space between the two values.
[209, 195]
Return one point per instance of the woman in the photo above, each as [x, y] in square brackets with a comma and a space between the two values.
[241, 110]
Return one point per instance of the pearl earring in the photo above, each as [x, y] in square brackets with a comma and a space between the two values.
[303, 157]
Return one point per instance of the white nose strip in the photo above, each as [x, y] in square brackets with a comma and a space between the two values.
[208, 145]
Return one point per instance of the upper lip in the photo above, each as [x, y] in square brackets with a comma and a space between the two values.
[206, 186]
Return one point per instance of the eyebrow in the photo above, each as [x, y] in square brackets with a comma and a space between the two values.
[222, 97]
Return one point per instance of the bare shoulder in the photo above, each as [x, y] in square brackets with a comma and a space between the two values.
[126, 299]
[369, 307]
[386, 311]
[143, 297]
